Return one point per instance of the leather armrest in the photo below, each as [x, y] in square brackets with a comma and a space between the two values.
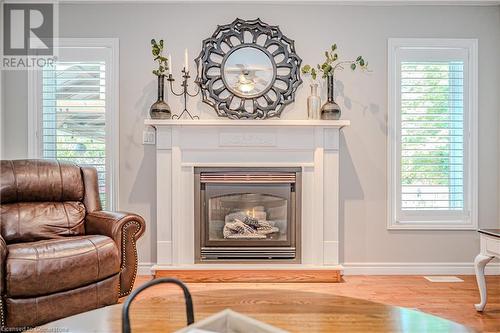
[124, 228]
[3, 259]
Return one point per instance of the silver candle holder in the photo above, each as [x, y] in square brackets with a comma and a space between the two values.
[185, 93]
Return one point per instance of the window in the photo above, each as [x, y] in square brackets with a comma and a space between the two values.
[74, 112]
[432, 134]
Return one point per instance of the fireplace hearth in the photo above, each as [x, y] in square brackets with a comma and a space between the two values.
[247, 214]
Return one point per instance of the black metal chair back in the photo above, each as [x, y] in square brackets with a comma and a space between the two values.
[187, 298]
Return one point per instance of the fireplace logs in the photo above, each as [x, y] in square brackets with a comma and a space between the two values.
[241, 225]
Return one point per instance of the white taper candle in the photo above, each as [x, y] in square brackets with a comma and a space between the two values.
[170, 63]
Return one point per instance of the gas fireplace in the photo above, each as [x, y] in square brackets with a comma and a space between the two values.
[247, 214]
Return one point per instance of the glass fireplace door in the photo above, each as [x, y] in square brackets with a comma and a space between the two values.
[247, 214]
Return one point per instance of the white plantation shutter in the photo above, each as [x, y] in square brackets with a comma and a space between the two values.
[76, 112]
[431, 121]
[432, 135]
[74, 115]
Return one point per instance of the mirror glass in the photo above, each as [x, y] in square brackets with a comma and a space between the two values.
[248, 72]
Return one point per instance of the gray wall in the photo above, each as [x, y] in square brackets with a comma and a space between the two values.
[363, 97]
[14, 114]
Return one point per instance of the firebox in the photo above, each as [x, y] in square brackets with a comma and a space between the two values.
[247, 214]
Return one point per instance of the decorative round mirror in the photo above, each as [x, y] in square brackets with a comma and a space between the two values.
[248, 70]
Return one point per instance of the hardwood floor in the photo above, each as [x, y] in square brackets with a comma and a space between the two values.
[453, 301]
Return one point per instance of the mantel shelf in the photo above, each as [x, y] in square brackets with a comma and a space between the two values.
[269, 122]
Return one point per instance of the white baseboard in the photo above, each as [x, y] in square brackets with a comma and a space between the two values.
[384, 268]
[422, 268]
[144, 268]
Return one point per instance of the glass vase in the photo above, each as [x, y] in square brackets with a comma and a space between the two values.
[330, 110]
[160, 109]
[313, 103]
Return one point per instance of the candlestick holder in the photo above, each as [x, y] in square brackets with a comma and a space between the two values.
[185, 93]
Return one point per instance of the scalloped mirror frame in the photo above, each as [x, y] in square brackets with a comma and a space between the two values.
[251, 33]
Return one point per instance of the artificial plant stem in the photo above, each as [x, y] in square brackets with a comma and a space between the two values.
[330, 87]
[161, 84]
[340, 64]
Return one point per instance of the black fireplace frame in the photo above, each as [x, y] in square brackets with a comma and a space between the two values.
[254, 251]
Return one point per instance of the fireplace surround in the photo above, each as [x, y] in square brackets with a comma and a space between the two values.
[185, 146]
[247, 214]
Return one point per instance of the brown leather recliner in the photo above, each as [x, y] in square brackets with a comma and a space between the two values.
[60, 254]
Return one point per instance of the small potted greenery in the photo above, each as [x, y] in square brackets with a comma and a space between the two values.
[160, 109]
[331, 110]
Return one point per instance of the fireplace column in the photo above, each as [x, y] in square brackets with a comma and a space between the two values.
[329, 154]
[164, 171]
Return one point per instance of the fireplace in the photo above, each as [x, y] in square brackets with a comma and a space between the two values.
[247, 214]
[310, 148]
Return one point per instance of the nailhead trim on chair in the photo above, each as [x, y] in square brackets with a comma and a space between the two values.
[124, 244]
[2, 318]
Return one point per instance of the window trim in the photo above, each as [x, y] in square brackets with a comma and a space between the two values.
[435, 223]
[112, 118]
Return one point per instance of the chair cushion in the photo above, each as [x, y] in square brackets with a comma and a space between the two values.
[38, 310]
[33, 221]
[40, 180]
[49, 266]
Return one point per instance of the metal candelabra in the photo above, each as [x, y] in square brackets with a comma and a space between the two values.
[185, 93]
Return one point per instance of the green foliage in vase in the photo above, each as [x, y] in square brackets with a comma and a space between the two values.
[157, 50]
[331, 64]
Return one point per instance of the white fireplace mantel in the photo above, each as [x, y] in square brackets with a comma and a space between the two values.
[231, 123]
[182, 145]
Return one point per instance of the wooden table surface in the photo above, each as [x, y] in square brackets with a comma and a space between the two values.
[292, 310]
